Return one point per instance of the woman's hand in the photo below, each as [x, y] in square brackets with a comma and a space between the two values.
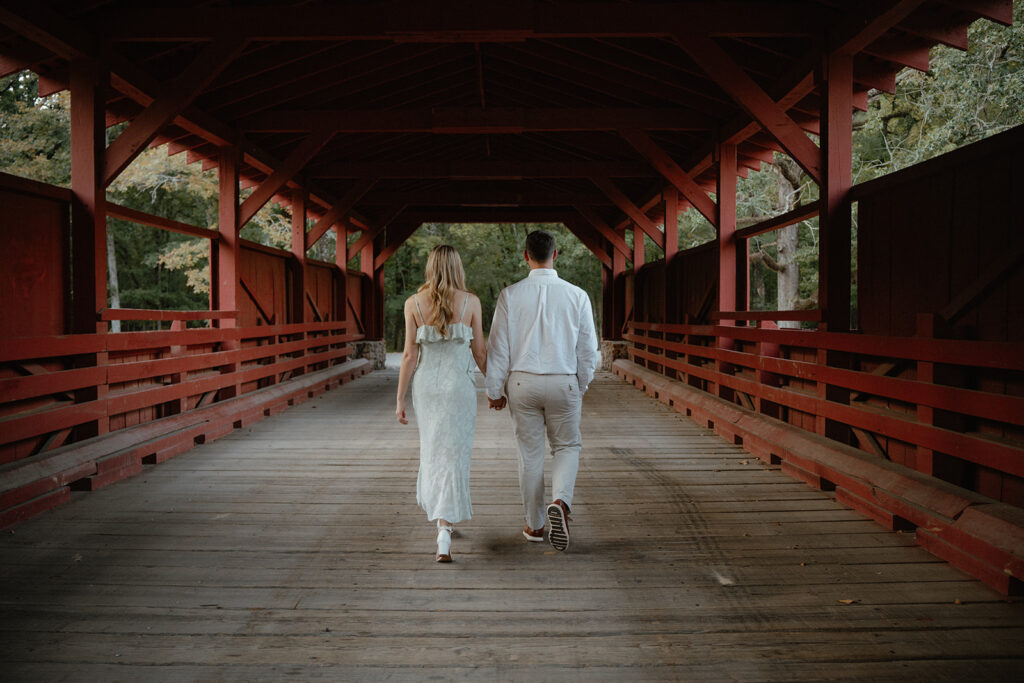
[400, 411]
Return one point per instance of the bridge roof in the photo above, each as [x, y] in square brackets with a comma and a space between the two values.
[477, 109]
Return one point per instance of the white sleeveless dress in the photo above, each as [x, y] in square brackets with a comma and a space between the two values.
[444, 400]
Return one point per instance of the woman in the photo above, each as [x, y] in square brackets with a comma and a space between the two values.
[443, 335]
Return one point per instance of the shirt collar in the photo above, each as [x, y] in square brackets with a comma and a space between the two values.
[543, 272]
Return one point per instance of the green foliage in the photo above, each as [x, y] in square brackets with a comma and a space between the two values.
[493, 258]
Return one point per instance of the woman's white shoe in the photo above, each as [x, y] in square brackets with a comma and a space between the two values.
[444, 544]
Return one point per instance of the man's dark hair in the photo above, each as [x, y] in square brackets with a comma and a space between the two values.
[540, 245]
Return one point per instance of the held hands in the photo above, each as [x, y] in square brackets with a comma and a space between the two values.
[496, 404]
[400, 411]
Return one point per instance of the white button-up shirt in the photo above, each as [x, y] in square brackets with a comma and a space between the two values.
[543, 325]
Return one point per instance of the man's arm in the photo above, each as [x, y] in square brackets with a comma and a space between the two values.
[587, 355]
[498, 351]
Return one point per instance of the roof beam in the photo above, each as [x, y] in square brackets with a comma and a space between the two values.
[464, 21]
[876, 27]
[717, 63]
[178, 95]
[480, 170]
[338, 211]
[671, 171]
[475, 196]
[299, 157]
[473, 120]
[630, 209]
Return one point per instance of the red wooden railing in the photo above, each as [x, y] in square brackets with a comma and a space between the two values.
[91, 384]
[838, 385]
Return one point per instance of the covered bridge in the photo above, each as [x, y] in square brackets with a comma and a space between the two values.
[370, 119]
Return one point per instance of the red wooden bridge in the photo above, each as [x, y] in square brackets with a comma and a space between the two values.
[844, 500]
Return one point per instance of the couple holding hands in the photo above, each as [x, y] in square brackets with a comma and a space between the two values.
[538, 361]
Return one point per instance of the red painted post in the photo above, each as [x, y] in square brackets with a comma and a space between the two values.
[638, 248]
[341, 260]
[298, 314]
[618, 290]
[608, 298]
[670, 200]
[89, 220]
[224, 275]
[89, 215]
[731, 284]
[369, 290]
[834, 219]
[733, 263]
[834, 225]
[378, 289]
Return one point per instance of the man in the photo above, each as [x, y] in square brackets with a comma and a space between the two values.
[541, 356]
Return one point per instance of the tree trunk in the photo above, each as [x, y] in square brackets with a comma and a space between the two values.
[115, 290]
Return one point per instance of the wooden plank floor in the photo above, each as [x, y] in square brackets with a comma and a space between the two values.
[295, 549]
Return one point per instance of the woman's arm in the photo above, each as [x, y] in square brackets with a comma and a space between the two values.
[409, 356]
[478, 345]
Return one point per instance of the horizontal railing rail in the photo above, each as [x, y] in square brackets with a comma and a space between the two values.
[871, 385]
[117, 380]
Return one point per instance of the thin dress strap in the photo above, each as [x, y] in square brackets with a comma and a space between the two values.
[465, 304]
[416, 300]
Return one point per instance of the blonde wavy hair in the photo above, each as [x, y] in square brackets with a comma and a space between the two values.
[445, 275]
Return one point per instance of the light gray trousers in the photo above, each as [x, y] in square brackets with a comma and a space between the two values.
[545, 406]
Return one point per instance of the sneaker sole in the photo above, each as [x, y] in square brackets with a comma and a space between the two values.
[558, 534]
[533, 539]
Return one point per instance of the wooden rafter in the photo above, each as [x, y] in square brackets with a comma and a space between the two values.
[591, 240]
[466, 120]
[461, 21]
[494, 169]
[396, 238]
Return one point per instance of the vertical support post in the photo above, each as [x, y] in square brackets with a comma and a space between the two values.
[670, 200]
[731, 284]
[224, 275]
[378, 289]
[297, 304]
[834, 219]
[89, 213]
[618, 291]
[732, 258]
[88, 82]
[608, 298]
[366, 258]
[638, 248]
[341, 260]
[835, 226]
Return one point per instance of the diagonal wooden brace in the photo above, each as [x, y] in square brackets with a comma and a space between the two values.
[338, 211]
[667, 167]
[371, 234]
[163, 110]
[731, 77]
[595, 220]
[299, 157]
[630, 209]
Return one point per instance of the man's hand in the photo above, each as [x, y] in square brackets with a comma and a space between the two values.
[496, 404]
